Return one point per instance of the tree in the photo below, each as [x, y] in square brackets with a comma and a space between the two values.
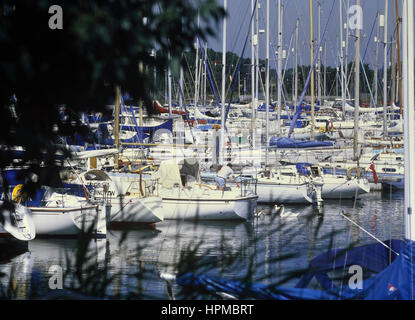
[100, 46]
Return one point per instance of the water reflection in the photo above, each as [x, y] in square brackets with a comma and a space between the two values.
[269, 249]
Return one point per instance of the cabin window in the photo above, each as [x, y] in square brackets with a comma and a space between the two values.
[389, 170]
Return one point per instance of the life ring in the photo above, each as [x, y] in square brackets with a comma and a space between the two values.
[18, 195]
[132, 170]
[349, 172]
[321, 130]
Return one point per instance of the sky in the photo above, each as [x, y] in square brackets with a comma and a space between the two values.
[239, 14]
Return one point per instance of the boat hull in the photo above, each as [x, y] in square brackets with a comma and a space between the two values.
[209, 209]
[283, 193]
[348, 189]
[55, 221]
[147, 210]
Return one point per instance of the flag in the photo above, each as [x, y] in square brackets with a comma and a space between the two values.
[375, 177]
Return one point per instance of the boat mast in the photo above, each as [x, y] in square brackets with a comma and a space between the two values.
[342, 61]
[346, 66]
[312, 68]
[222, 111]
[393, 71]
[385, 70]
[296, 62]
[257, 56]
[116, 124]
[375, 82]
[205, 75]
[141, 67]
[267, 85]
[197, 67]
[319, 57]
[169, 84]
[409, 102]
[181, 87]
[398, 45]
[254, 40]
[279, 80]
[325, 70]
[357, 91]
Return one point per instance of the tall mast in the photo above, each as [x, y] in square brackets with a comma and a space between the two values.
[181, 88]
[325, 70]
[197, 66]
[319, 57]
[296, 62]
[267, 83]
[357, 91]
[222, 113]
[116, 124]
[342, 61]
[254, 40]
[169, 86]
[409, 102]
[257, 56]
[398, 45]
[385, 70]
[346, 67]
[312, 68]
[393, 71]
[375, 82]
[279, 80]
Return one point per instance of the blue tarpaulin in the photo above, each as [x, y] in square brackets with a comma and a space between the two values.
[292, 143]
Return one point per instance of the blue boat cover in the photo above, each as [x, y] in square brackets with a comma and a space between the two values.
[284, 142]
[394, 279]
[302, 168]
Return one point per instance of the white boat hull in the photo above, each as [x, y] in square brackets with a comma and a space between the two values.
[348, 189]
[209, 209]
[283, 193]
[146, 210]
[58, 221]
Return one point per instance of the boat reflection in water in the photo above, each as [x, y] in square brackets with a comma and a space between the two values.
[39, 271]
[268, 249]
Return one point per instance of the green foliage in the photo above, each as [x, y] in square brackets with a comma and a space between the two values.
[100, 46]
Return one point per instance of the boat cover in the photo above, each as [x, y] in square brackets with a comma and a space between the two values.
[394, 279]
[292, 143]
[168, 174]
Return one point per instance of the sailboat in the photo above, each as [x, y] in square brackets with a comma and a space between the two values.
[186, 198]
[123, 197]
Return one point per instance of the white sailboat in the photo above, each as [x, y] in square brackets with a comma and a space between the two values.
[340, 186]
[66, 215]
[196, 201]
[122, 197]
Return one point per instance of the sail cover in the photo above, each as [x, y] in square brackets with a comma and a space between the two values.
[168, 174]
[292, 143]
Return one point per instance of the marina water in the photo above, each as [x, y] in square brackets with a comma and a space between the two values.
[271, 249]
